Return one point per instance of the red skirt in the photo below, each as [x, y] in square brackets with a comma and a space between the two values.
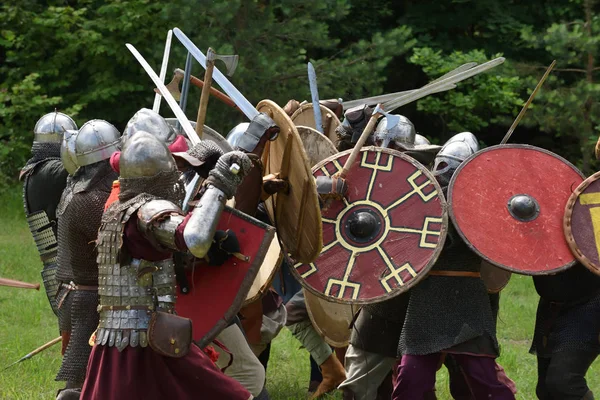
[141, 373]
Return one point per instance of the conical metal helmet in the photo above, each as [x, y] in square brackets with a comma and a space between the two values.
[67, 151]
[97, 140]
[144, 156]
[234, 135]
[50, 128]
[146, 120]
[456, 150]
[402, 133]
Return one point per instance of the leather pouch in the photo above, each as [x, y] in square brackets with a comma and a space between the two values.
[170, 335]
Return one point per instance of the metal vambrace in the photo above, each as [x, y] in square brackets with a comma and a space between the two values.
[158, 221]
[202, 225]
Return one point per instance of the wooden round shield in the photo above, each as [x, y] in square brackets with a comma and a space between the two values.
[582, 223]
[317, 146]
[331, 320]
[384, 236]
[304, 116]
[494, 278]
[295, 212]
[597, 149]
[507, 202]
[266, 273]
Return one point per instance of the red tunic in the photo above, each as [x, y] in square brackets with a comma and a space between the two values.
[140, 373]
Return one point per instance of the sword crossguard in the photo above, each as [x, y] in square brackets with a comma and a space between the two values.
[234, 168]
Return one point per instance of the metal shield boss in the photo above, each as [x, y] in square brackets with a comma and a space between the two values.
[582, 223]
[384, 236]
[295, 211]
[507, 202]
[217, 293]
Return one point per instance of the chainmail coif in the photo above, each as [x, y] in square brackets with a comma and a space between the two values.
[165, 185]
[42, 151]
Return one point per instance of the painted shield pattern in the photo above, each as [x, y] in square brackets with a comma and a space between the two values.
[507, 202]
[384, 236]
[582, 223]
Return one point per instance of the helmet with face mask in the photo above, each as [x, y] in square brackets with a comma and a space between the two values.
[456, 150]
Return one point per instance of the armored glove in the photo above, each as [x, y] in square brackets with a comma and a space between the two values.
[331, 187]
[223, 178]
[207, 153]
[225, 244]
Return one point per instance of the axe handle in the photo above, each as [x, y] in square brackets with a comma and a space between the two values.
[217, 93]
[19, 284]
[204, 97]
[361, 141]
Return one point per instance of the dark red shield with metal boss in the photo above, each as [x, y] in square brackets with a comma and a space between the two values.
[384, 236]
[582, 223]
[508, 201]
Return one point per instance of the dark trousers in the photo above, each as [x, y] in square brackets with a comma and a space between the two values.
[562, 376]
[416, 377]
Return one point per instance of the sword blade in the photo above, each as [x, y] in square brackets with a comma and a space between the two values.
[185, 123]
[243, 104]
[314, 93]
[163, 69]
[391, 96]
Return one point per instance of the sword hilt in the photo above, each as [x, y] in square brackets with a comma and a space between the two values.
[235, 168]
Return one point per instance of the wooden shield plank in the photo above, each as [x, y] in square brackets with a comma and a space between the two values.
[317, 146]
[296, 212]
[400, 214]
[211, 310]
[582, 223]
[482, 194]
[304, 116]
[266, 274]
[331, 320]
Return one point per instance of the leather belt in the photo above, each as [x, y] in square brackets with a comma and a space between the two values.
[462, 274]
[71, 286]
[118, 308]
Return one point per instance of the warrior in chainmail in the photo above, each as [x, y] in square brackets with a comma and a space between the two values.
[567, 333]
[373, 345]
[44, 179]
[142, 350]
[450, 312]
[80, 213]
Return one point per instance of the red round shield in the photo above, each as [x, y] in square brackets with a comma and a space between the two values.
[582, 223]
[384, 236]
[508, 201]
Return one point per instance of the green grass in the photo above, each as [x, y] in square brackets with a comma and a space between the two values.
[27, 322]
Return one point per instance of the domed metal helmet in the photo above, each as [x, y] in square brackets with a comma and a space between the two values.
[67, 151]
[96, 141]
[148, 121]
[50, 128]
[234, 135]
[145, 156]
[456, 150]
[402, 133]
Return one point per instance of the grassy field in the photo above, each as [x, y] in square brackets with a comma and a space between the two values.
[26, 322]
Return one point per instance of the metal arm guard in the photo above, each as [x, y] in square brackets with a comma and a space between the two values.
[260, 125]
[45, 240]
[158, 220]
[201, 227]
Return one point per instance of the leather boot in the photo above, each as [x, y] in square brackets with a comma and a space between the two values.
[588, 396]
[333, 374]
[68, 394]
[263, 395]
[348, 394]
[312, 386]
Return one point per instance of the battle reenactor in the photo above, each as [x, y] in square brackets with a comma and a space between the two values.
[567, 331]
[373, 345]
[137, 284]
[80, 214]
[44, 179]
[450, 312]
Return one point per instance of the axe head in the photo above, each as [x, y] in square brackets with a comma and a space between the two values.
[230, 62]
[391, 119]
[173, 86]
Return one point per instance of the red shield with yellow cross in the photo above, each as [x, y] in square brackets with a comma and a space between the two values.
[384, 236]
[582, 223]
[507, 202]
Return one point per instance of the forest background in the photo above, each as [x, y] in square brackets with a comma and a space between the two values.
[71, 55]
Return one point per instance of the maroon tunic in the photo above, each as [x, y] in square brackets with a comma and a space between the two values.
[140, 373]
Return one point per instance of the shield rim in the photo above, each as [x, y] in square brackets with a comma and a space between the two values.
[459, 230]
[244, 288]
[324, 111]
[567, 227]
[311, 182]
[318, 328]
[435, 255]
[264, 287]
